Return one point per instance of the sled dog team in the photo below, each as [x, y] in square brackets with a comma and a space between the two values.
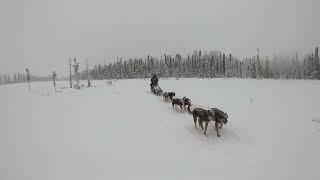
[199, 114]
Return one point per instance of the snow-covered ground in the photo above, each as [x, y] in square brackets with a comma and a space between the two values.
[124, 132]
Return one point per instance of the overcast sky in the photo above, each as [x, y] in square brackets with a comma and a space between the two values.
[43, 35]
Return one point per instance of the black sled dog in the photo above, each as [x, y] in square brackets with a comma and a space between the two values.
[168, 95]
[177, 102]
[186, 102]
[221, 118]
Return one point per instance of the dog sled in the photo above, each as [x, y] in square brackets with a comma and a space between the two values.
[155, 89]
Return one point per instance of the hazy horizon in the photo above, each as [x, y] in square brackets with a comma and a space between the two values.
[43, 35]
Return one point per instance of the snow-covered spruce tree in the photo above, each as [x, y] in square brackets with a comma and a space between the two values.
[304, 69]
[253, 68]
[309, 67]
[177, 66]
[267, 68]
[212, 68]
[28, 77]
[224, 65]
[259, 69]
[139, 68]
[76, 72]
[317, 63]
[130, 69]
[297, 67]
[229, 66]
[205, 65]
[161, 68]
[300, 63]
[166, 71]
[126, 69]
[275, 70]
[54, 75]
[88, 74]
[236, 68]
[171, 66]
[100, 71]
[70, 73]
[218, 65]
[241, 69]
[187, 71]
[157, 67]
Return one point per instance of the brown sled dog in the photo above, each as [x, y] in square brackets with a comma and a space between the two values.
[202, 115]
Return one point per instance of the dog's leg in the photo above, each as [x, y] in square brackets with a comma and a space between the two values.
[200, 123]
[195, 120]
[217, 129]
[205, 128]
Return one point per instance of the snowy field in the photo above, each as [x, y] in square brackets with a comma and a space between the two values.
[124, 132]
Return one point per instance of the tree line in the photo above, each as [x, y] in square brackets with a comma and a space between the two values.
[21, 78]
[198, 64]
[201, 64]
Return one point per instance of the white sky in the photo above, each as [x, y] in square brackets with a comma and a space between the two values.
[42, 34]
